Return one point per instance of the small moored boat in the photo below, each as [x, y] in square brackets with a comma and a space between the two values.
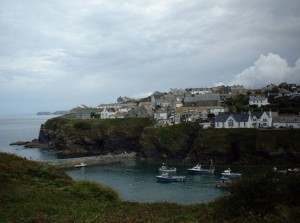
[165, 177]
[80, 165]
[229, 174]
[199, 170]
[165, 168]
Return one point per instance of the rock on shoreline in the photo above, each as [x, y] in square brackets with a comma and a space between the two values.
[29, 144]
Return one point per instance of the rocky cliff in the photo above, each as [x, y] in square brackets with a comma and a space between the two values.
[184, 142]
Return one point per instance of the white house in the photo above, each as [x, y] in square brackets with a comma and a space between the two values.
[161, 114]
[286, 122]
[233, 120]
[261, 119]
[113, 105]
[108, 113]
[259, 101]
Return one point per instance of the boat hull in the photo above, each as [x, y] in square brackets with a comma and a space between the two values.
[232, 175]
[200, 172]
[80, 165]
[170, 179]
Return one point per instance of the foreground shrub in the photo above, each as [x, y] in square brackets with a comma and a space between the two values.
[85, 189]
[268, 194]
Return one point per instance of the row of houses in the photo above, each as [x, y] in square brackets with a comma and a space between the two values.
[195, 96]
[255, 120]
[221, 118]
[114, 110]
[193, 104]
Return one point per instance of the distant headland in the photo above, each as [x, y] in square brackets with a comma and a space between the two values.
[54, 113]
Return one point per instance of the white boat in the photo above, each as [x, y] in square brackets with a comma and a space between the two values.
[80, 165]
[199, 170]
[165, 168]
[165, 177]
[228, 173]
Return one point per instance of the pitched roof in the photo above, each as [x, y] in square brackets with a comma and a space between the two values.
[203, 97]
[109, 109]
[238, 117]
[259, 114]
[287, 119]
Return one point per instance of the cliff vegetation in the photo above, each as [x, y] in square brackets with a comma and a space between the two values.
[185, 142]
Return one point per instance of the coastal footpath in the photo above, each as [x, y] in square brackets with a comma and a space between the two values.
[185, 142]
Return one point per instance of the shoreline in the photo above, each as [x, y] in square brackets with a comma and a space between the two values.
[91, 160]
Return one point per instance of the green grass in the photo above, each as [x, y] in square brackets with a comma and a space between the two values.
[132, 127]
[34, 192]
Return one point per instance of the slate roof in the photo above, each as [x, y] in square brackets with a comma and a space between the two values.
[203, 97]
[238, 117]
[110, 110]
[287, 119]
[259, 114]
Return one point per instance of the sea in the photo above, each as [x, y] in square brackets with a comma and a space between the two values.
[133, 180]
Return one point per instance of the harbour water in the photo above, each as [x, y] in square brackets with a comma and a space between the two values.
[134, 181]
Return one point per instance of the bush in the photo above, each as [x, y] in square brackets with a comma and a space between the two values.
[82, 125]
[86, 189]
[260, 196]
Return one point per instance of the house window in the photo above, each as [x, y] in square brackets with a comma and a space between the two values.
[230, 123]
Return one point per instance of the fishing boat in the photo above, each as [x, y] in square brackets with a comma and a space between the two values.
[80, 165]
[229, 174]
[165, 168]
[165, 177]
[199, 170]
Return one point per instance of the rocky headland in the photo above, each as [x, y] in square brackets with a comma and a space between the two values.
[185, 142]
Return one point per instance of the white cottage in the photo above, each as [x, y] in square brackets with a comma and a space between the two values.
[233, 120]
[161, 114]
[286, 122]
[261, 119]
[108, 113]
[259, 101]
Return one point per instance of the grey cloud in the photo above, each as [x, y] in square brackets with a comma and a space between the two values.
[114, 48]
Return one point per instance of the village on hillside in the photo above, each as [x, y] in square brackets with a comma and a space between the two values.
[216, 107]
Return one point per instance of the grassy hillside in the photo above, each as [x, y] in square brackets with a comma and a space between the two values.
[33, 192]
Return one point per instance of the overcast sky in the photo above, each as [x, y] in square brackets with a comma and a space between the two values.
[58, 54]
